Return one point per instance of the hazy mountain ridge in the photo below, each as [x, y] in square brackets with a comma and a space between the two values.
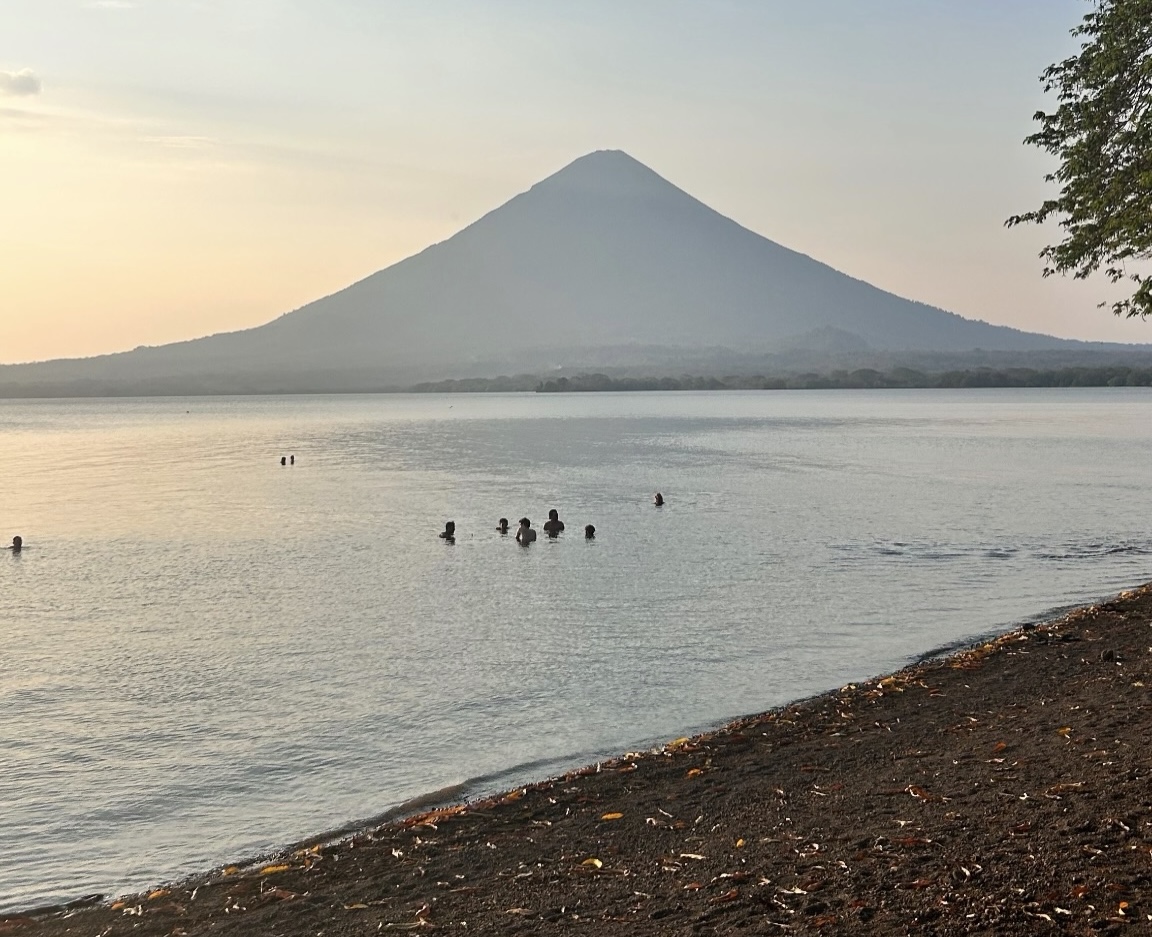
[603, 254]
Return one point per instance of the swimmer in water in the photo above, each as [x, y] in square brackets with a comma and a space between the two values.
[17, 544]
[525, 535]
[589, 532]
[448, 534]
[503, 525]
[283, 460]
[291, 460]
[553, 526]
[658, 500]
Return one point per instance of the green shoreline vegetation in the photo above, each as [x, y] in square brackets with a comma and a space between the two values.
[858, 379]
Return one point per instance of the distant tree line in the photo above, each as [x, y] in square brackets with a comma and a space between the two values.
[865, 378]
[480, 385]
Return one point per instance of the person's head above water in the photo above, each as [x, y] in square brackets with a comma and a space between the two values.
[17, 543]
[657, 498]
[449, 530]
[589, 532]
[502, 524]
[553, 526]
[524, 533]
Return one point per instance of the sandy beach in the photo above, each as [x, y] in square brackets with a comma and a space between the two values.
[1000, 790]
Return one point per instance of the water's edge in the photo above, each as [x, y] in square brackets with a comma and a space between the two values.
[493, 785]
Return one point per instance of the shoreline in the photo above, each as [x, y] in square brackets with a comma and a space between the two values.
[782, 821]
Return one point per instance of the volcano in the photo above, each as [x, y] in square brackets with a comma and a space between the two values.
[602, 257]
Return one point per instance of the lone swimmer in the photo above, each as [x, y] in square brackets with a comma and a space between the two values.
[589, 532]
[553, 526]
[448, 534]
[17, 544]
[658, 500]
[525, 535]
[503, 525]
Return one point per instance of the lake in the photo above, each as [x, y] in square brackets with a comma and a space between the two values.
[205, 655]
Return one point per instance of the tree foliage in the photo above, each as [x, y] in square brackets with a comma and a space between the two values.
[1101, 133]
[1112, 375]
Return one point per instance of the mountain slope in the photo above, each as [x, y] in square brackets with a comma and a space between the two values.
[607, 252]
[604, 253]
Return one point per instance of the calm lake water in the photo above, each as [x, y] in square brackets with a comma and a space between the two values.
[204, 655]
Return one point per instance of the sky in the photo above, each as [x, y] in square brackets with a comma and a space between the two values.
[175, 168]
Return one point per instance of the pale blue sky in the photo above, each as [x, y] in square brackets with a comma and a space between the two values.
[195, 165]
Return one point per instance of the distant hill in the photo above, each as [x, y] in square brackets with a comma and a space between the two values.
[603, 262]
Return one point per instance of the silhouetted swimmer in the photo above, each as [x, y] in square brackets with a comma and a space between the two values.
[658, 500]
[553, 526]
[449, 532]
[283, 460]
[291, 460]
[17, 544]
[502, 526]
[589, 532]
[525, 535]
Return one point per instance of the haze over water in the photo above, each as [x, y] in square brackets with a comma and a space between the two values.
[204, 655]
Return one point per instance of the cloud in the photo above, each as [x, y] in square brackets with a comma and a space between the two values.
[19, 84]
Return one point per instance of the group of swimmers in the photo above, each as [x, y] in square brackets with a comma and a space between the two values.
[287, 460]
[525, 534]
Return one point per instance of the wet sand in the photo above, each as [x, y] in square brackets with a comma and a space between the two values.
[1002, 790]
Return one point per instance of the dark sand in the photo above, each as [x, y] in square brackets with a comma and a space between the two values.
[1003, 790]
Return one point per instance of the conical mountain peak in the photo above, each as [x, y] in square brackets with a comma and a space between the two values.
[608, 172]
[601, 257]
